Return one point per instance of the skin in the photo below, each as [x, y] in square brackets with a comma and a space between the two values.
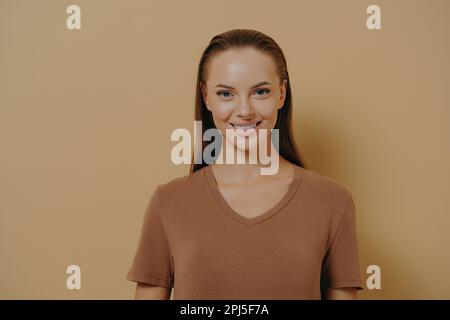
[342, 294]
[243, 86]
[239, 91]
[150, 292]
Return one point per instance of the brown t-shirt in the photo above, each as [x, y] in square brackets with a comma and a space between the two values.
[193, 241]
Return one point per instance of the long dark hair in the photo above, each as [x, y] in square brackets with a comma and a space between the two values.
[240, 38]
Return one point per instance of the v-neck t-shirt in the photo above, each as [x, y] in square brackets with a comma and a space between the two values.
[191, 240]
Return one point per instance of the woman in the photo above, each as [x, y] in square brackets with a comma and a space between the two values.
[226, 231]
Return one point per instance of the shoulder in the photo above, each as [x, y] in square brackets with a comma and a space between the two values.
[185, 186]
[324, 189]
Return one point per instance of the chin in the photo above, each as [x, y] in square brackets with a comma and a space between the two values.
[249, 146]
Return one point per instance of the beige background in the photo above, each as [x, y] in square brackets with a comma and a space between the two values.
[86, 117]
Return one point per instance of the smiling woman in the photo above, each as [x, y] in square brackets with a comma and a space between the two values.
[224, 231]
[243, 83]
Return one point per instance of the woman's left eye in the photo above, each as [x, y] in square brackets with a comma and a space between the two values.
[261, 92]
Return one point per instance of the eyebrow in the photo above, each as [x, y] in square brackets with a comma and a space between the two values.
[256, 85]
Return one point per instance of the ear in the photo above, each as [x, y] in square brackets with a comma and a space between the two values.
[204, 95]
[283, 90]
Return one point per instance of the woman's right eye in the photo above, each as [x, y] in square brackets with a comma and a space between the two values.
[224, 94]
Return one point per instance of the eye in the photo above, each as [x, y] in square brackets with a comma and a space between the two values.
[262, 92]
[224, 94]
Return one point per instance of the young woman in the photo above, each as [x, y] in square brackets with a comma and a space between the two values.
[226, 231]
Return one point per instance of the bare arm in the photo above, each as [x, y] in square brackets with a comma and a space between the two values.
[342, 294]
[150, 292]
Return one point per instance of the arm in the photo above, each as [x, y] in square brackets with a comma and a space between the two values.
[151, 292]
[342, 294]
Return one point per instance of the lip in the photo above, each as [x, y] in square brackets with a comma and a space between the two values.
[251, 124]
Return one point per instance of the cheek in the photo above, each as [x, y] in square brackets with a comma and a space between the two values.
[222, 111]
[267, 108]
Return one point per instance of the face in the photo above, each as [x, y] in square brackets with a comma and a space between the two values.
[243, 93]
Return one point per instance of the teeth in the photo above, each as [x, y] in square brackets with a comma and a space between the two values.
[246, 127]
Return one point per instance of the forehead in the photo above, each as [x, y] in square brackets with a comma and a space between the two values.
[241, 67]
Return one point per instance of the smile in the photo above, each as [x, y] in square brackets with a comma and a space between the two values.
[247, 126]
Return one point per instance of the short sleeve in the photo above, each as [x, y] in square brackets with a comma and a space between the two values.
[153, 262]
[340, 267]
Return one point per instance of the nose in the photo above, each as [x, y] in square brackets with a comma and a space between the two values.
[244, 108]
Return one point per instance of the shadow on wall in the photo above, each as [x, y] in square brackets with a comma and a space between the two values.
[329, 147]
